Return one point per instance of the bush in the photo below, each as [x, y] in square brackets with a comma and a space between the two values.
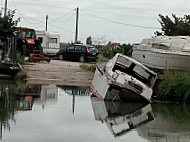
[175, 87]
[20, 58]
[125, 49]
[21, 75]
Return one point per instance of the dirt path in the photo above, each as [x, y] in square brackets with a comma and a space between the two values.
[58, 73]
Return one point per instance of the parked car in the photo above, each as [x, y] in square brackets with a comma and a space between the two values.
[79, 52]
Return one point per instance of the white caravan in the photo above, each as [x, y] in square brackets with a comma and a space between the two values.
[50, 41]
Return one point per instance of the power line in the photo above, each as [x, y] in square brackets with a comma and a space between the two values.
[19, 12]
[120, 23]
[69, 18]
[40, 21]
[55, 20]
[24, 16]
[67, 30]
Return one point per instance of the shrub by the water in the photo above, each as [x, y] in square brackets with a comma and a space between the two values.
[20, 58]
[175, 87]
[125, 49]
[21, 75]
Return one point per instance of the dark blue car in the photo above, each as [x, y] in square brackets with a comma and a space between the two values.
[78, 52]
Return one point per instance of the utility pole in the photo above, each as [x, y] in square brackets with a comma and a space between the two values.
[46, 21]
[5, 12]
[77, 18]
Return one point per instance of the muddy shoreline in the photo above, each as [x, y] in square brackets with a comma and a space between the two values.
[59, 73]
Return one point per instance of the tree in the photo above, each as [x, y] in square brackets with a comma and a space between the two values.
[179, 26]
[89, 40]
[8, 25]
[99, 40]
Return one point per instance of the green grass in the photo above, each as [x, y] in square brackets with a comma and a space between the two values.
[91, 66]
[174, 87]
[88, 67]
[21, 75]
[102, 58]
[20, 58]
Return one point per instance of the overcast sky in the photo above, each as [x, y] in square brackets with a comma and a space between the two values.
[123, 21]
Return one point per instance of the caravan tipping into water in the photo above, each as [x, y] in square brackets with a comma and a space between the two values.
[50, 41]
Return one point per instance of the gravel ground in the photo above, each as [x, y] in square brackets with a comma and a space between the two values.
[59, 73]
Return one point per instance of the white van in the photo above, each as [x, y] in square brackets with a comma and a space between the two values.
[50, 41]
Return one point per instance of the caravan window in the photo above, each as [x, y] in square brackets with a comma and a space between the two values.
[52, 40]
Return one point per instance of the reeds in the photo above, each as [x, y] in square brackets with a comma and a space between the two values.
[175, 87]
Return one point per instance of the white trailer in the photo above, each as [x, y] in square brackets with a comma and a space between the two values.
[50, 41]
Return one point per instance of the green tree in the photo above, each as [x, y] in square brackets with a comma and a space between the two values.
[8, 25]
[89, 40]
[177, 26]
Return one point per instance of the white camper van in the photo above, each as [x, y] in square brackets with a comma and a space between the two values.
[50, 41]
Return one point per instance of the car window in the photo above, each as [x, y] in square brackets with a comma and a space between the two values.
[91, 49]
[77, 48]
[83, 49]
[71, 48]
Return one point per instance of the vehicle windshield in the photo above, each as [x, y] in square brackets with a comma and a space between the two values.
[28, 34]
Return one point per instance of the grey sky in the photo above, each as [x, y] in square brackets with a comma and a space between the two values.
[132, 13]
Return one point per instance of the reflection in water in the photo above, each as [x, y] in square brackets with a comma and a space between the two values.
[16, 97]
[48, 95]
[7, 104]
[25, 103]
[171, 124]
[75, 91]
[121, 117]
[20, 97]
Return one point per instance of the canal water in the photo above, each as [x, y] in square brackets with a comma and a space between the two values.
[50, 113]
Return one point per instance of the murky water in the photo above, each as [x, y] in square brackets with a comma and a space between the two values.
[52, 113]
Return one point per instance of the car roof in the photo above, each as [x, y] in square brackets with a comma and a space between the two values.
[86, 45]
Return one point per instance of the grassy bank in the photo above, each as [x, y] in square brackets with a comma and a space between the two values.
[21, 75]
[174, 87]
[92, 66]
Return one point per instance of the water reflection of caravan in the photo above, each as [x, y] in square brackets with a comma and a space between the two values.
[49, 94]
[121, 117]
[50, 41]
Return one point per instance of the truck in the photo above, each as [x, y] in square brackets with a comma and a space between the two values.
[50, 42]
[27, 41]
